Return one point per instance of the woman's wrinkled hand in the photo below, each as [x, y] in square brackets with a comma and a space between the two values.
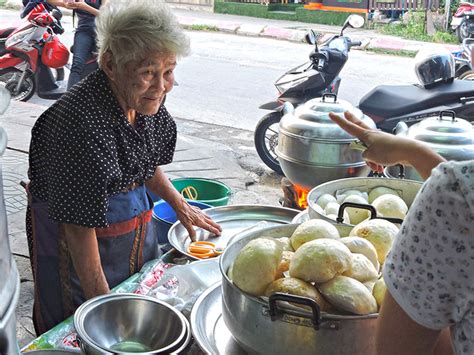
[191, 216]
[382, 148]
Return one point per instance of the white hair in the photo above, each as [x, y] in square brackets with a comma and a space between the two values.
[130, 30]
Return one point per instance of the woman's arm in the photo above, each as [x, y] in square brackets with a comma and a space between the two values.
[84, 250]
[398, 334]
[188, 215]
[77, 5]
[388, 149]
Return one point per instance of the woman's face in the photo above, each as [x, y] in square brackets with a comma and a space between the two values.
[142, 85]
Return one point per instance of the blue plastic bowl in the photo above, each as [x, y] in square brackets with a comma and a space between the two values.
[164, 217]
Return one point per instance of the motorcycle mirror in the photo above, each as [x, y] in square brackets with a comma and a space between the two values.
[58, 15]
[311, 37]
[4, 99]
[356, 21]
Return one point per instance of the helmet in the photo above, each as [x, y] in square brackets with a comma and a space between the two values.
[54, 54]
[434, 65]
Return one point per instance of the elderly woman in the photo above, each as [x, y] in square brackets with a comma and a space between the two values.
[92, 156]
[429, 301]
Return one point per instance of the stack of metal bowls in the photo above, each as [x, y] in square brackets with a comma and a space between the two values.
[312, 149]
[130, 323]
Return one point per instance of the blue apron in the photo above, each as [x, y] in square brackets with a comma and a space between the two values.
[124, 246]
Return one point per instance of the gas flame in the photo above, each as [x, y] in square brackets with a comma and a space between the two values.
[302, 196]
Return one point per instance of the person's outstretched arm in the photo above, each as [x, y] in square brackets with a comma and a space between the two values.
[388, 149]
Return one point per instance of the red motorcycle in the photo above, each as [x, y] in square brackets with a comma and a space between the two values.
[32, 56]
[463, 21]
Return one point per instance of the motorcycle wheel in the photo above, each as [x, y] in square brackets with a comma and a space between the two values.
[467, 75]
[462, 31]
[266, 140]
[9, 79]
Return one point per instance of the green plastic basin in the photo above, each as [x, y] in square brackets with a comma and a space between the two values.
[211, 192]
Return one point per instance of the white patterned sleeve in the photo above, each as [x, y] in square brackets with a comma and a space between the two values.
[430, 268]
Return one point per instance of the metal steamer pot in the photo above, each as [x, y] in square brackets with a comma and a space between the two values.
[262, 327]
[312, 149]
[450, 137]
[407, 189]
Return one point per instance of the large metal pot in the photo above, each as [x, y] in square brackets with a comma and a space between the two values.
[269, 328]
[450, 137]
[312, 149]
[407, 190]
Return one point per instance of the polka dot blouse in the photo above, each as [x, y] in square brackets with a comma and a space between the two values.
[430, 268]
[84, 150]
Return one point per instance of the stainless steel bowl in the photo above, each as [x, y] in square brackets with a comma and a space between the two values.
[118, 323]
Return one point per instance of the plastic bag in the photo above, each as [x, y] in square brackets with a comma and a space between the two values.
[181, 285]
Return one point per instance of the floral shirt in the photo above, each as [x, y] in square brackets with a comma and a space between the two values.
[430, 268]
[83, 150]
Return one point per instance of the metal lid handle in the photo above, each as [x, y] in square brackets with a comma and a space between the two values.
[334, 96]
[449, 113]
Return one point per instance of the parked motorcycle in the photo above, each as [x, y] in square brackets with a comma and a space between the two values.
[463, 60]
[388, 105]
[463, 21]
[32, 58]
[312, 79]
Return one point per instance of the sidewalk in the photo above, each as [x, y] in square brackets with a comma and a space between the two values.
[284, 30]
[194, 157]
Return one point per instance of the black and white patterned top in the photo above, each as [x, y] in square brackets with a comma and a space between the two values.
[83, 149]
[430, 268]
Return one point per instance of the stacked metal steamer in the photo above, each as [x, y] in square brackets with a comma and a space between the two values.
[450, 137]
[313, 151]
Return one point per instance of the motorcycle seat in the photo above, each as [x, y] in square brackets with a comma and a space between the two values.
[388, 101]
[5, 32]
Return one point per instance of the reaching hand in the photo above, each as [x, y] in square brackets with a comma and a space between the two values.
[191, 216]
[382, 148]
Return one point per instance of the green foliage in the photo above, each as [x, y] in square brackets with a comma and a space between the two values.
[273, 11]
[454, 5]
[413, 28]
[207, 28]
[398, 52]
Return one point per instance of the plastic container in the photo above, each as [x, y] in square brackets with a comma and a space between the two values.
[211, 192]
[164, 217]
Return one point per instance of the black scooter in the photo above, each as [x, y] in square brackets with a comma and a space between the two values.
[385, 104]
[312, 79]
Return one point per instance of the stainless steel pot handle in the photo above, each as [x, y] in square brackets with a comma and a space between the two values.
[334, 96]
[449, 113]
[373, 212]
[275, 313]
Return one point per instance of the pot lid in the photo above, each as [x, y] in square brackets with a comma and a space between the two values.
[451, 137]
[311, 120]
